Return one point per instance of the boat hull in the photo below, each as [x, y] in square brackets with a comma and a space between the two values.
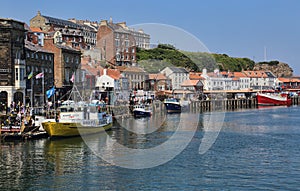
[173, 108]
[64, 129]
[263, 99]
[139, 113]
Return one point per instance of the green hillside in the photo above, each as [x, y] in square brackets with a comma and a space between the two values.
[154, 60]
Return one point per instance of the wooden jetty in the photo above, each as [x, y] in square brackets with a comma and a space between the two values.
[229, 104]
[11, 136]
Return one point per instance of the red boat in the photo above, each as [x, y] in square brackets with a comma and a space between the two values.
[273, 99]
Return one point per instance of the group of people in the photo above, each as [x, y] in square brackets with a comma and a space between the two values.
[17, 115]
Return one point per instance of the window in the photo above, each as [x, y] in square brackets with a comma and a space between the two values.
[17, 73]
[22, 74]
[67, 59]
[127, 43]
[67, 72]
[117, 41]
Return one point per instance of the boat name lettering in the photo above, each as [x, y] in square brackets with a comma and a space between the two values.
[89, 123]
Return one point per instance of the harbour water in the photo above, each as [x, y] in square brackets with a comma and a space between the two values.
[256, 149]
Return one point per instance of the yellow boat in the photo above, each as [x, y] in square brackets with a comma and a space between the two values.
[76, 120]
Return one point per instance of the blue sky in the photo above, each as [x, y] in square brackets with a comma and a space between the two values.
[234, 27]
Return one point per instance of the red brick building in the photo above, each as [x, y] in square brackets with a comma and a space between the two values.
[66, 61]
[116, 43]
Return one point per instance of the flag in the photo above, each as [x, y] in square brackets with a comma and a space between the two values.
[72, 78]
[50, 92]
[30, 75]
[40, 75]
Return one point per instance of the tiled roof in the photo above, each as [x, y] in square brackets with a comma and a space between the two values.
[239, 74]
[195, 76]
[62, 23]
[36, 29]
[287, 80]
[113, 73]
[117, 28]
[256, 74]
[121, 68]
[213, 75]
[35, 47]
[158, 76]
[67, 48]
[178, 70]
[189, 83]
[134, 69]
[93, 70]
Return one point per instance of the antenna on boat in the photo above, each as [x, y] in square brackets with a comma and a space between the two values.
[74, 89]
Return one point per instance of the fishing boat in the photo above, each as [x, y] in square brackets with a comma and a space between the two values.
[172, 105]
[78, 119]
[141, 110]
[273, 99]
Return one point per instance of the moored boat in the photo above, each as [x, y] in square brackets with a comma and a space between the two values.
[76, 120]
[172, 105]
[273, 99]
[141, 111]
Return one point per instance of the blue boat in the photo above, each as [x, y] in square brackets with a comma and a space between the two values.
[172, 105]
[141, 111]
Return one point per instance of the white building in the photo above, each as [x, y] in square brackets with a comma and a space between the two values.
[176, 75]
[215, 81]
[261, 79]
[239, 80]
[115, 84]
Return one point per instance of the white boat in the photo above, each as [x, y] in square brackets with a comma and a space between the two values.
[76, 120]
[141, 111]
[172, 105]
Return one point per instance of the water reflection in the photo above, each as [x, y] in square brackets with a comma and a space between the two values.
[65, 155]
[255, 148]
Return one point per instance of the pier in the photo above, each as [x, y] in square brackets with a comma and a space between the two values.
[226, 104]
[229, 104]
[198, 106]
